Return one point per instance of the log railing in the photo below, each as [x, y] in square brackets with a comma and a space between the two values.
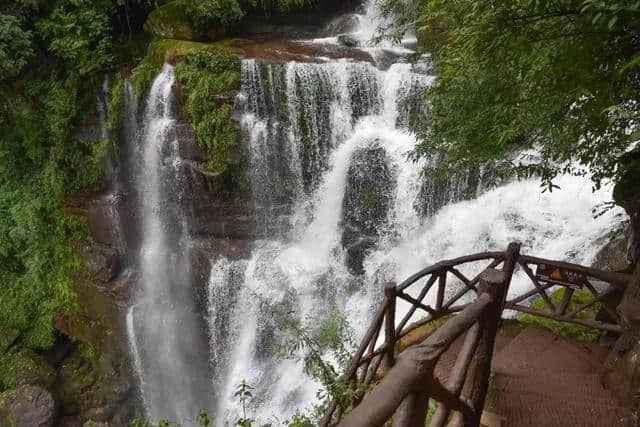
[477, 303]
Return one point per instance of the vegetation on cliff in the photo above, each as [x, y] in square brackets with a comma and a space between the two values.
[207, 74]
[54, 55]
[561, 77]
[51, 56]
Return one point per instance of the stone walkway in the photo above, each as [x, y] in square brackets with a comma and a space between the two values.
[544, 381]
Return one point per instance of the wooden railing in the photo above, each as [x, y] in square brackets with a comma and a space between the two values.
[475, 306]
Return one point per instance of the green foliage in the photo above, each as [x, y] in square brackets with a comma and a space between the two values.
[205, 13]
[559, 76]
[42, 157]
[324, 345]
[116, 103]
[15, 47]
[78, 31]
[205, 75]
[171, 21]
[563, 329]
[143, 75]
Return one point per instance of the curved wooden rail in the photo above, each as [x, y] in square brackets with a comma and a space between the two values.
[372, 360]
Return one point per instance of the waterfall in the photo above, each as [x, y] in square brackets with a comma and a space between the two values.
[328, 152]
[342, 211]
[164, 327]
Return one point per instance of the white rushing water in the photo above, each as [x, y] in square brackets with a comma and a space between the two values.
[342, 210]
[309, 126]
[163, 327]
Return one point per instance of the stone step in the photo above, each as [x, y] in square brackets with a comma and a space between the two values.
[557, 386]
[537, 349]
[525, 408]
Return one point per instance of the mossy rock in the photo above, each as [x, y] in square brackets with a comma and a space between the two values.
[27, 405]
[7, 338]
[170, 21]
[25, 367]
[172, 50]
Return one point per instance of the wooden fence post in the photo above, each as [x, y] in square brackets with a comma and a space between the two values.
[496, 284]
[390, 326]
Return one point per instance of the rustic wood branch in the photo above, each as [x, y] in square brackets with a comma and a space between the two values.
[458, 373]
[415, 302]
[597, 298]
[442, 284]
[463, 279]
[566, 299]
[494, 283]
[615, 278]
[497, 256]
[390, 326]
[538, 286]
[412, 367]
[534, 291]
[610, 311]
[584, 322]
[413, 308]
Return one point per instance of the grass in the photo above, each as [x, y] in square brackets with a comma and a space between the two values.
[564, 329]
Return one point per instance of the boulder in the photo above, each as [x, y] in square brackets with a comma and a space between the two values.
[101, 261]
[92, 387]
[348, 40]
[25, 367]
[613, 256]
[366, 204]
[343, 24]
[28, 406]
[170, 21]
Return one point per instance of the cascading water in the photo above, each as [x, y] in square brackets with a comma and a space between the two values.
[329, 153]
[343, 211]
[163, 325]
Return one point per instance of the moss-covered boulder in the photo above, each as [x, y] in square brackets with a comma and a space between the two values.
[92, 387]
[170, 21]
[366, 204]
[25, 367]
[27, 405]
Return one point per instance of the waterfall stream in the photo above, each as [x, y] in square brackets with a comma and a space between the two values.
[343, 211]
[328, 148]
[163, 325]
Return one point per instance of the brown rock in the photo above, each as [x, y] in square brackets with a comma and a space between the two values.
[27, 406]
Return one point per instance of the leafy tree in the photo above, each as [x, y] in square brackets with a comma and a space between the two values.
[15, 47]
[204, 13]
[78, 31]
[559, 77]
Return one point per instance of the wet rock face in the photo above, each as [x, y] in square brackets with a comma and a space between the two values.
[366, 204]
[342, 24]
[93, 389]
[613, 256]
[27, 405]
[348, 40]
